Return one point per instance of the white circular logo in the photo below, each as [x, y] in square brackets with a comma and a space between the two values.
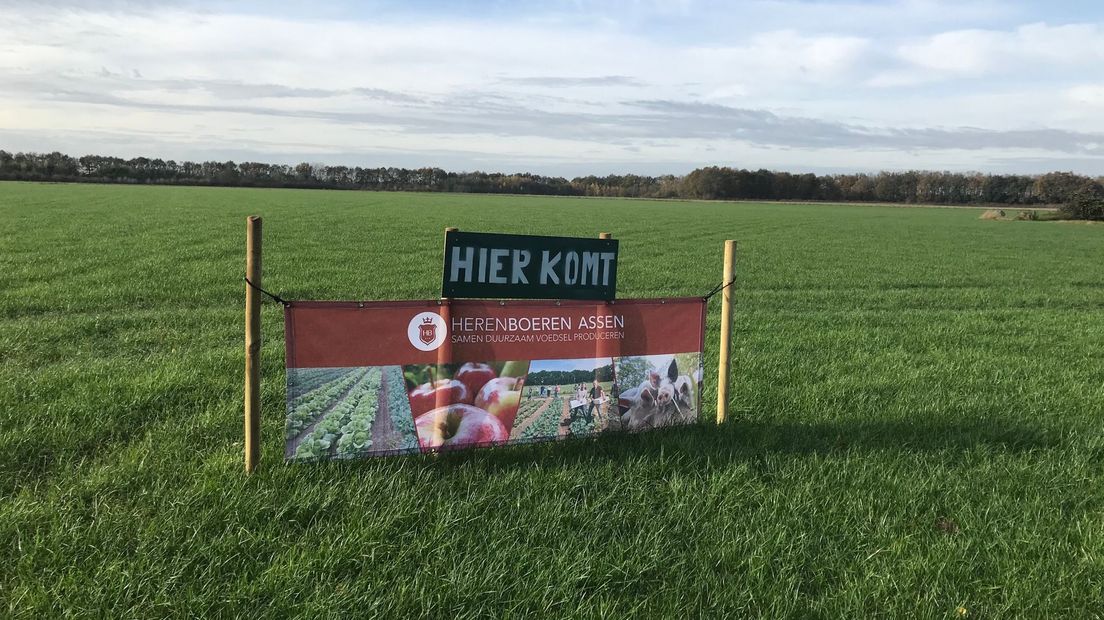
[426, 331]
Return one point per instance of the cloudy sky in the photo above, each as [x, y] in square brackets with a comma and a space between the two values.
[572, 87]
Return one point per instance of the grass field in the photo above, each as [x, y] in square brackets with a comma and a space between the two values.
[918, 404]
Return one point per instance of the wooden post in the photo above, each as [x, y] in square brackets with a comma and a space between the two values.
[252, 343]
[726, 330]
[444, 352]
[607, 349]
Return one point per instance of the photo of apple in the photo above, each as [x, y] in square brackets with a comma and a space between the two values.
[493, 388]
[517, 369]
[501, 397]
[438, 393]
[458, 426]
[474, 375]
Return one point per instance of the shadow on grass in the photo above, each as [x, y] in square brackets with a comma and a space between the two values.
[749, 440]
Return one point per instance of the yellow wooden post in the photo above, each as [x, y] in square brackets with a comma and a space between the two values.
[726, 330]
[252, 344]
[444, 352]
[607, 349]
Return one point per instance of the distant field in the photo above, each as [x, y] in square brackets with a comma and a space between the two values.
[918, 419]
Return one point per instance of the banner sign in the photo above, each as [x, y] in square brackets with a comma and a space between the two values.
[374, 378]
[528, 267]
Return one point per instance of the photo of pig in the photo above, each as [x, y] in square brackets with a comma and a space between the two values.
[663, 390]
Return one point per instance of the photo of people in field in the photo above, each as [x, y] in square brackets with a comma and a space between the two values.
[658, 390]
[566, 398]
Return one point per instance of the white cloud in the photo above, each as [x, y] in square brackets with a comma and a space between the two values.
[780, 57]
[425, 58]
[539, 89]
[1032, 47]
[1088, 94]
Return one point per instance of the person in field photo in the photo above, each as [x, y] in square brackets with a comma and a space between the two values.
[570, 407]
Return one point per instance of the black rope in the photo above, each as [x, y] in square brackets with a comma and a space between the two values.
[275, 298]
[718, 289]
[286, 303]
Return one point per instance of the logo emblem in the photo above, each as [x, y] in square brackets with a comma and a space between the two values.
[426, 331]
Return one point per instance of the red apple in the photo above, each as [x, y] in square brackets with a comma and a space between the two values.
[457, 426]
[438, 394]
[474, 375]
[501, 397]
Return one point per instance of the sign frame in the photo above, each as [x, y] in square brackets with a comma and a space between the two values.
[361, 381]
[505, 266]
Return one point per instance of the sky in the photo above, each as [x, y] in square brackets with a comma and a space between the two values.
[567, 365]
[568, 88]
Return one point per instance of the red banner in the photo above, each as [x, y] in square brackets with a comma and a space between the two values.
[370, 378]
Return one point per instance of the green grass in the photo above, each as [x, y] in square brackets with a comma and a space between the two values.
[918, 404]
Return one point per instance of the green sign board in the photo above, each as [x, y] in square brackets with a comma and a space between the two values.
[529, 267]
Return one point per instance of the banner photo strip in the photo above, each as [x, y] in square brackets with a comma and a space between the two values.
[380, 378]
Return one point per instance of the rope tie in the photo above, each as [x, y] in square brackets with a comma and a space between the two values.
[275, 298]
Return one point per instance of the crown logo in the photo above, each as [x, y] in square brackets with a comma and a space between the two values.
[426, 331]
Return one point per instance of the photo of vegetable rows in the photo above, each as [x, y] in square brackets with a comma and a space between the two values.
[303, 380]
[330, 385]
[568, 398]
[537, 419]
[341, 416]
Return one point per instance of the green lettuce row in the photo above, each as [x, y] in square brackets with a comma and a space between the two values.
[346, 378]
[398, 407]
[347, 425]
[580, 426]
[356, 432]
[300, 381]
[308, 409]
[547, 425]
[527, 408]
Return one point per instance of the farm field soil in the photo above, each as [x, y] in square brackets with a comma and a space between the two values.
[917, 419]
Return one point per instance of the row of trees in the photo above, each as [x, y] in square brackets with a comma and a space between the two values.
[710, 183]
[914, 186]
[102, 169]
[568, 377]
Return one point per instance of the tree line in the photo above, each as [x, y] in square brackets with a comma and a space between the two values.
[569, 377]
[709, 183]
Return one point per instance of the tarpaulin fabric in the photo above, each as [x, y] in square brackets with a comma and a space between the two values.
[372, 378]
